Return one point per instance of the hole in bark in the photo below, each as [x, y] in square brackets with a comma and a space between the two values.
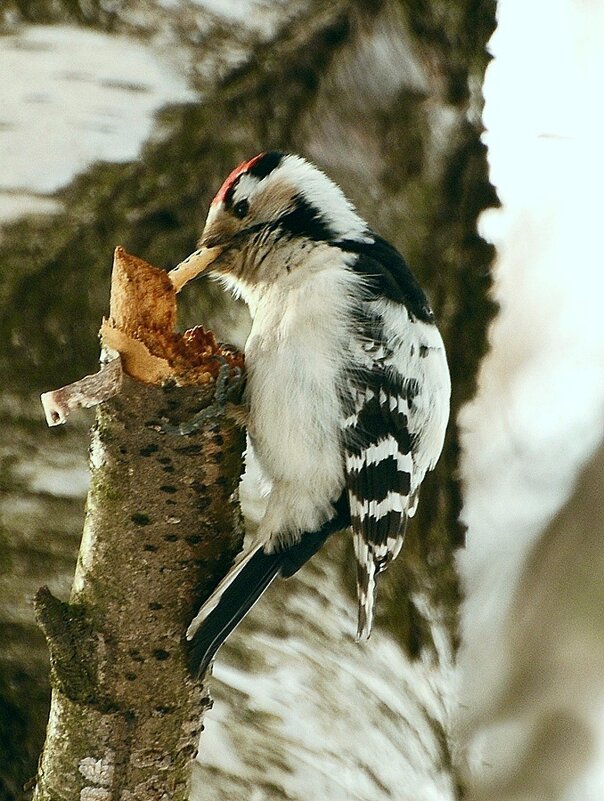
[165, 460]
[161, 655]
[169, 488]
[192, 450]
[194, 539]
[140, 519]
[123, 451]
[170, 502]
[170, 537]
[154, 605]
[168, 468]
[218, 439]
[130, 676]
[148, 450]
[164, 710]
[218, 457]
[149, 547]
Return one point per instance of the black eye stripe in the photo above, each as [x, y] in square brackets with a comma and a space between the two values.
[228, 197]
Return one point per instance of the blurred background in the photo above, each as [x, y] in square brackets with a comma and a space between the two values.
[118, 122]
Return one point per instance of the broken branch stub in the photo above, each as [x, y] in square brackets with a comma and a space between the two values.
[141, 339]
[142, 322]
[160, 531]
[88, 391]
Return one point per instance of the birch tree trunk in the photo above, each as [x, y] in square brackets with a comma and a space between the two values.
[126, 715]
[161, 529]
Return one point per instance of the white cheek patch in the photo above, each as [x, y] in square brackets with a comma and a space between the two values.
[247, 186]
[269, 198]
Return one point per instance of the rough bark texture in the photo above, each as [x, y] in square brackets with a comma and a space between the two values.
[125, 715]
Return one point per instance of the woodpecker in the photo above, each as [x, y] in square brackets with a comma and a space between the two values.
[347, 388]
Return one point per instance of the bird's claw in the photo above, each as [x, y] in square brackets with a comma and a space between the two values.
[229, 383]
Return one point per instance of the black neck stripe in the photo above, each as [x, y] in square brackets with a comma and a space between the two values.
[305, 220]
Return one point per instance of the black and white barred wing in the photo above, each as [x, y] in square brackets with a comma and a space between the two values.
[379, 470]
[399, 390]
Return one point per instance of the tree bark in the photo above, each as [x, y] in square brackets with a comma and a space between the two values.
[125, 714]
[160, 530]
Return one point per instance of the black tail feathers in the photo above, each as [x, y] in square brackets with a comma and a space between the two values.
[239, 597]
[235, 603]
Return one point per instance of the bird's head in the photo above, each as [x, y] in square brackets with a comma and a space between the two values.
[268, 213]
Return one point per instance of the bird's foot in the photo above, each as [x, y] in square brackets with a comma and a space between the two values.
[229, 385]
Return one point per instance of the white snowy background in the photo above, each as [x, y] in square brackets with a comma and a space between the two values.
[539, 413]
[75, 96]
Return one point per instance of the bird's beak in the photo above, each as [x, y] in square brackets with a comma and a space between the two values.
[197, 263]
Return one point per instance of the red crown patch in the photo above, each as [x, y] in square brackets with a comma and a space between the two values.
[232, 177]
